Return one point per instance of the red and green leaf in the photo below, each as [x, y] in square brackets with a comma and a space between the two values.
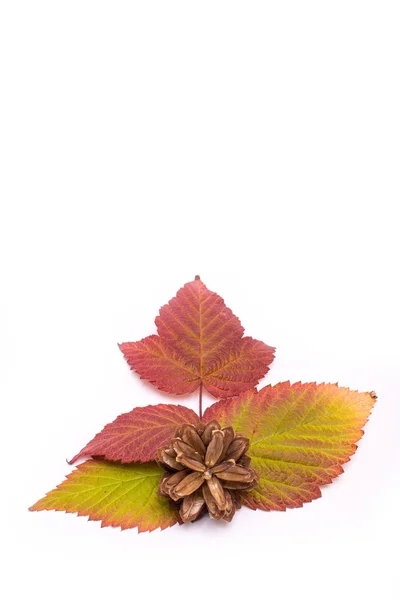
[300, 435]
[136, 436]
[117, 495]
[199, 341]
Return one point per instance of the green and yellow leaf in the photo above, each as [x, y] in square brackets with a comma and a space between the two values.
[117, 495]
[300, 435]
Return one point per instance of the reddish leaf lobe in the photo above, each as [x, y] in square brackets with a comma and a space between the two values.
[199, 341]
[136, 436]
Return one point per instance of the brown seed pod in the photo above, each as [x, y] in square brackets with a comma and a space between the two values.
[207, 469]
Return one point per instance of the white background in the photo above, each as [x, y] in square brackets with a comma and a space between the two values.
[255, 143]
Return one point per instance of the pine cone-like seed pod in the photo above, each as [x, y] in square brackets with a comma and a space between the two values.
[207, 469]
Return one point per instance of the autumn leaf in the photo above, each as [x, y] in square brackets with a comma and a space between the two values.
[136, 436]
[296, 436]
[117, 495]
[199, 342]
[300, 435]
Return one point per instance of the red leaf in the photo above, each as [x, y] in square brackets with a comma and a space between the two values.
[136, 436]
[199, 341]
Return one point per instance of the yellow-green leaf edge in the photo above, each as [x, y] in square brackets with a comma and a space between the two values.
[117, 495]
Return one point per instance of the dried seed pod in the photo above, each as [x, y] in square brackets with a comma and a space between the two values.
[237, 448]
[236, 497]
[191, 463]
[180, 430]
[189, 484]
[244, 461]
[165, 460]
[207, 470]
[237, 473]
[227, 464]
[161, 488]
[217, 492]
[192, 506]
[182, 447]
[169, 482]
[170, 452]
[214, 448]
[212, 507]
[229, 436]
[239, 485]
[207, 433]
[191, 437]
[200, 427]
[230, 507]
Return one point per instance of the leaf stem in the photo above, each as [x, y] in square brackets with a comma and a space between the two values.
[201, 400]
[197, 278]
